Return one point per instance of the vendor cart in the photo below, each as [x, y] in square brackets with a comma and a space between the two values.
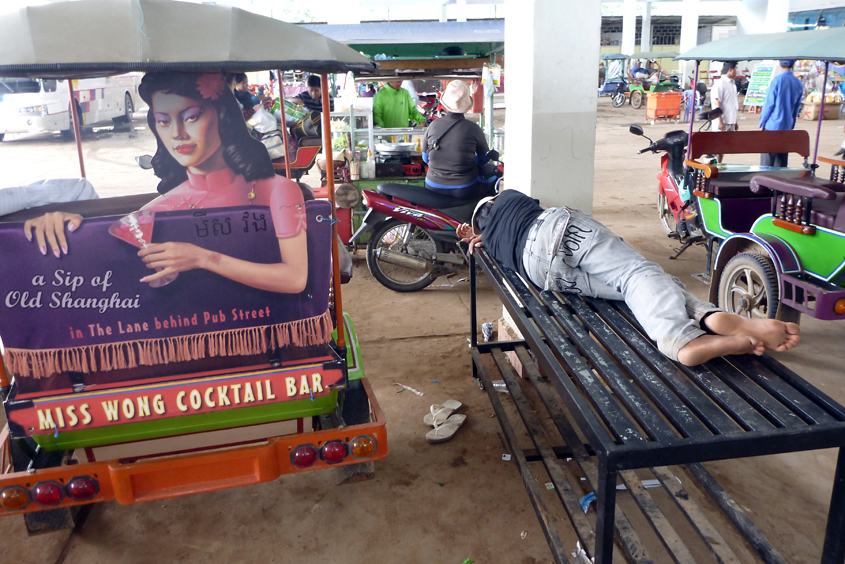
[198, 385]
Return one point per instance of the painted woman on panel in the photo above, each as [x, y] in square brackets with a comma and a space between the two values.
[206, 158]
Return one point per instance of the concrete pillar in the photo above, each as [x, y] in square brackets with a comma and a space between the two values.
[462, 10]
[777, 14]
[645, 37]
[689, 37]
[629, 26]
[551, 122]
[443, 17]
[751, 17]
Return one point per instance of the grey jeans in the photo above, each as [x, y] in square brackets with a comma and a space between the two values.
[569, 251]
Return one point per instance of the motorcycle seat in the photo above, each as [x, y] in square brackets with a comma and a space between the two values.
[419, 195]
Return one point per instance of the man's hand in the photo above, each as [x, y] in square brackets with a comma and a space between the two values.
[464, 232]
[466, 235]
[720, 125]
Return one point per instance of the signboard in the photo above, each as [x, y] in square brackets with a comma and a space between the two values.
[89, 311]
[91, 410]
[228, 262]
[759, 83]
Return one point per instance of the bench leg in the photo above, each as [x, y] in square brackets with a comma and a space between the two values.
[834, 537]
[605, 518]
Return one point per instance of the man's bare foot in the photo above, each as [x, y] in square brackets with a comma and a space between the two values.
[707, 347]
[774, 334]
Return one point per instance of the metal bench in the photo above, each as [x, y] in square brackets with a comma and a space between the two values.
[588, 366]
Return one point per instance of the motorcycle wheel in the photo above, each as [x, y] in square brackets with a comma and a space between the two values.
[637, 99]
[618, 100]
[390, 236]
[749, 287]
[667, 219]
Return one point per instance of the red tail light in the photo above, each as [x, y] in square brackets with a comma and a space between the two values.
[47, 494]
[334, 452]
[304, 456]
[82, 488]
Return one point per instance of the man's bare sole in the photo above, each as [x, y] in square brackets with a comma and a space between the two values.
[774, 334]
[707, 347]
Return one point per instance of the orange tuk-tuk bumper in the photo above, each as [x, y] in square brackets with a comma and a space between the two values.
[205, 471]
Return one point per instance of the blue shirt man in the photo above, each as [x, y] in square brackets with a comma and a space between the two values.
[780, 110]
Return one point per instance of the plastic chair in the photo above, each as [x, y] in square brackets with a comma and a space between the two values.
[688, 106]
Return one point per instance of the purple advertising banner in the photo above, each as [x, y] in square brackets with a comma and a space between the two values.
[88, 311]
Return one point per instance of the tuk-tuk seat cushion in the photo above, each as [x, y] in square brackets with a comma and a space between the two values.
[735, 189]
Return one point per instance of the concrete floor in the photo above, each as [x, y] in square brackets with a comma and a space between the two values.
[427, 503]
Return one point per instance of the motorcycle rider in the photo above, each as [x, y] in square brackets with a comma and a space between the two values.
[566, 250]
[454, 148]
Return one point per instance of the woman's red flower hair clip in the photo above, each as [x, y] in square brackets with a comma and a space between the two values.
[211, 85]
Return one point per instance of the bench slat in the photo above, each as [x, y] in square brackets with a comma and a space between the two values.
[591, 426]
[772, 409]
[819, 397]
[528, 480]
[713, 417]
[559, 476]
[721, 394]
[637, 405]
[789, 396]
[699, 521]
[624, 530]
[666, 401]
[667, 534]
[624, 430]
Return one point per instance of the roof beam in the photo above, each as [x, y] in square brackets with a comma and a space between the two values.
[432, 64]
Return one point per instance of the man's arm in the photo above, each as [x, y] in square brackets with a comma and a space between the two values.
[413, 114]
[466, 235]
[716, 103]
[378, 108]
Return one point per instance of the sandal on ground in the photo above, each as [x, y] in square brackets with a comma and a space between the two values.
[441, 413]
[443, 432]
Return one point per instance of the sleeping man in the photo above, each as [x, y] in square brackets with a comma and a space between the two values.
[562, 249]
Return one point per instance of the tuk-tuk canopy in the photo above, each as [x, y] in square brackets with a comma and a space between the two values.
[90, 38]
[819, 45]
[613, 56]
[655, 55]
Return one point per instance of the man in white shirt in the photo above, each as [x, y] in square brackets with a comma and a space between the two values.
[724, 96]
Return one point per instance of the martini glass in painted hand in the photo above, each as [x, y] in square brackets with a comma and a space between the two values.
[137, 229]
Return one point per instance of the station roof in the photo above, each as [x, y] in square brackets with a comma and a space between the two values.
[418, 40]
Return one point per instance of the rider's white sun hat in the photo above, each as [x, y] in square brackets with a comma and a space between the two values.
[457, 97]
[474, 222]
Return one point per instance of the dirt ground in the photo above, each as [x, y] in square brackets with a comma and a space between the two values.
[428, 503]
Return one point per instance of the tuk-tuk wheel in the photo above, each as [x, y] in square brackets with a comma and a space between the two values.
[749, 287]
[637, 99]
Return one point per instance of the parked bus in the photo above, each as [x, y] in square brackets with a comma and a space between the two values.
[29, 105]
[817, 19]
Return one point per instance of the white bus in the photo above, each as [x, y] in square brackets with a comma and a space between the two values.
[29, 105]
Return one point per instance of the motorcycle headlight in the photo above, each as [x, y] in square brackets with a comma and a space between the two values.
[34, 110]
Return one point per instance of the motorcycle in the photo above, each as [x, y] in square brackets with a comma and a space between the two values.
[413, 232]
[675, 208]
[430, 106]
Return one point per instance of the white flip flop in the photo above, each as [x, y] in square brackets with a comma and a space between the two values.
[443, 432]
[441, 413]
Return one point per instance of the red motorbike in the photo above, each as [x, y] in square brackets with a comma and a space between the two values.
[674, 205]
[429, 105]
[413, 232]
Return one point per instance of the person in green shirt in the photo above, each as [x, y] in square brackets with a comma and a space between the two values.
[393, 107]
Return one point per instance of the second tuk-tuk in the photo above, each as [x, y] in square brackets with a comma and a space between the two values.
[119, 389]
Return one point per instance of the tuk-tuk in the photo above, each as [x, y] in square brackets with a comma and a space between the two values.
[780, 233]
[635, 92]
[120, 389]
